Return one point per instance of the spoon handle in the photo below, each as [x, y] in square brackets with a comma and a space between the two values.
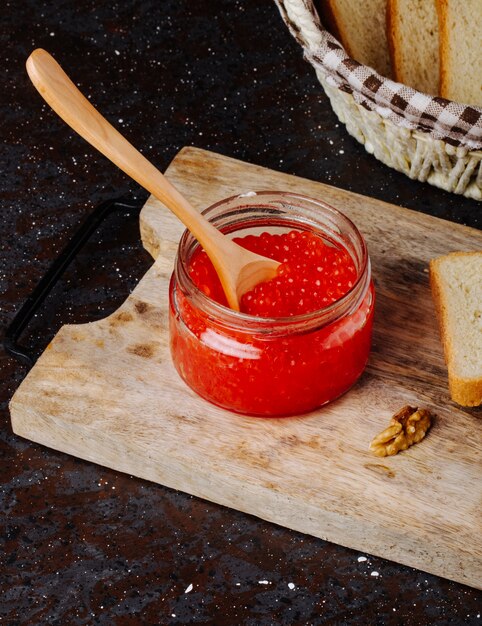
[73, 107]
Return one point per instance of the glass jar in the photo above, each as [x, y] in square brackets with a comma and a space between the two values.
[272, 366]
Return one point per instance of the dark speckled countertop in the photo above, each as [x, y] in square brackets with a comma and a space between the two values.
[85, 545]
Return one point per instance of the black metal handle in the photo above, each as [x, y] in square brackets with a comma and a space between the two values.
[53, 274]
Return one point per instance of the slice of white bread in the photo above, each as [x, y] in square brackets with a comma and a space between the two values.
[456, 283]
[360, 26]
[460, 23]
[413, 39]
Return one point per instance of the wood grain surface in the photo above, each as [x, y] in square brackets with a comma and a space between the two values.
[107, 392]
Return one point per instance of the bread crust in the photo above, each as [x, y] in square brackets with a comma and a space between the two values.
[443, 47]
[330, 18]
[464, 391]
[392, 8]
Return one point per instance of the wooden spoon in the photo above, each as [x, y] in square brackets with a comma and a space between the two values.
[238, 269]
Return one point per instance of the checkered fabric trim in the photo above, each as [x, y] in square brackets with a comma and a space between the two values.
[454, 123]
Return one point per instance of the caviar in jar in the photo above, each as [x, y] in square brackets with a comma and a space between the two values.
[300, 340]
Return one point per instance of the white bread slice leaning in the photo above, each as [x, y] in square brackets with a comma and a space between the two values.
[456, 283]
[413, 39]
[361, 29]
[460, 23]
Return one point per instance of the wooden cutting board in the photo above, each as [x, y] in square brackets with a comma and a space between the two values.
[107, 392]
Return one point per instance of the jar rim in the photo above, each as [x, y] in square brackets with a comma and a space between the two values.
[321, 316]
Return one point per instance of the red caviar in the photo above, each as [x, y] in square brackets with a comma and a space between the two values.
[312, 274]
[301, 339]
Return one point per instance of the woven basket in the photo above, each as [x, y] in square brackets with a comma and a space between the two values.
[418, 154]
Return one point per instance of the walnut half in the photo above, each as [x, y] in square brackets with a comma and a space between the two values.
[407, 426]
